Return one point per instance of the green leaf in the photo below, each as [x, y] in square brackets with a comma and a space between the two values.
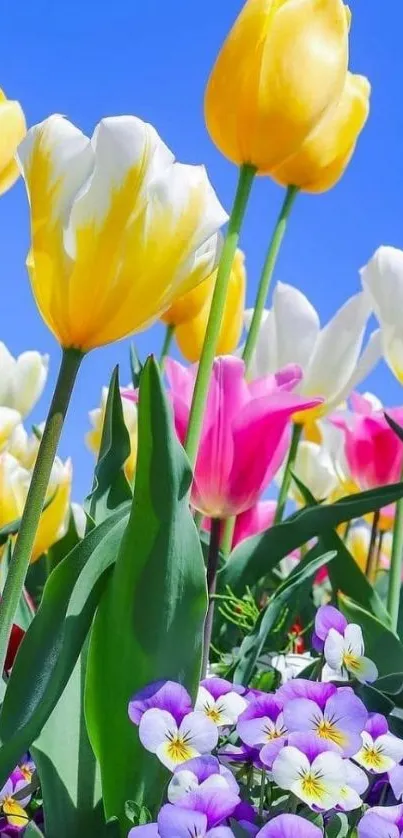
[32, 831]
[256, 556]
[53, 642]
[374, 700]
[252, 645]
[381, 644]
[111, 488]
[346, 577]
[65, 545]
[337, 826]
[135, 366]
[70, 786]
[149, 624]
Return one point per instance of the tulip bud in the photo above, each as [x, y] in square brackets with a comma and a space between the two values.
[97, 417]
[117, 227]
[14, 485]
[190, 335]
[282, 67]
[12, 131]
[325, 154]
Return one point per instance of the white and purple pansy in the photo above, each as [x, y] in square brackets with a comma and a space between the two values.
[173, 744]
[312, 769]
[221, 701]
[201, 771]
[344, 653]
[340, 718]
[200, 813]
[381, 822]
[163, 695]
[380, 750]
[327, 617]
[262, 725]
[290, 826]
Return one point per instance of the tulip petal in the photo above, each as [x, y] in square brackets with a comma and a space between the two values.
[297, 326]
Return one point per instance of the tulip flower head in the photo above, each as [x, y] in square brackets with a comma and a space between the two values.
[190, 335]
[22, 379]
[329, 357]
[373, 451]
[97, 417]
[259, 106]
[188, 306]
[118, 229]
[382, 279]
[254, 520]
[322, 159]
[380, 750]
[244, 435]
[315, 469]
[12, 131]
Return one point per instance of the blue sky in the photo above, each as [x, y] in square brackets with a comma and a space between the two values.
[92, 58]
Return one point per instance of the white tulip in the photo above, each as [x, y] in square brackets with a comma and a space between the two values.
[22, 379]
[382, 279]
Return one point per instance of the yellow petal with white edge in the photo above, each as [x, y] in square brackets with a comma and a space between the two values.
[128, 155]
[53, 520]
[181, 213]
[12, 130]
[56, 161]
[15, 814]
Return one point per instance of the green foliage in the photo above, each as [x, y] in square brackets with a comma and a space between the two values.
[150, 621]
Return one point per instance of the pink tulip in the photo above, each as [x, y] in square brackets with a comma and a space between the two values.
[373, 451]
[254, 521]
[245, 432]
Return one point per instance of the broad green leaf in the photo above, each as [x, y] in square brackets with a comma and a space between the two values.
[65, 545]
[374, 700]
[256, 556]
[381, 644]
[253, 644]
[32, 831]
[25, 612]
[346, 577]
[135, 366]
[149, 624]
[111, 488]
[51, 647]
[70, 787]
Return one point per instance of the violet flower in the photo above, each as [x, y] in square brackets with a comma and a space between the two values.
[381, 750]
[221, 701]
[381, 822]
[289, 826]
[262, 725]
[340, 719]
[204, 770]
[311, 769]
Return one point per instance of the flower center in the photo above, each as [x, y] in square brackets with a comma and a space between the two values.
[312, 786]
[373, 756]
[26, 771]
[213, 712]
[327, 730]
[351, 661]
[179, 750]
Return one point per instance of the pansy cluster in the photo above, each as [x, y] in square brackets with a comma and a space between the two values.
[17, 807]
[277, 765]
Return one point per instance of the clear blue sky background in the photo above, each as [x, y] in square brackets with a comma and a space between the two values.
[91, 58]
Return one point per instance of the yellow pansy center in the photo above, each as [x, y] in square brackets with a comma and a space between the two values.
[373, 757]
[179, 750]
[351, 662]
[313, 786]
[326, 730]
[271, 731]
[26, 771]
[214, 713]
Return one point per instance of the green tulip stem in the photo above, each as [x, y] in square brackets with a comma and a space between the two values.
[372, 559]
[287, 476]
[396, 563]
[21, 556]
[212, 569]
[267, 273]
[245, 181]
[168, 338]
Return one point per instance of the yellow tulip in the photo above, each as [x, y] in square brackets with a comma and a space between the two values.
[117, 227]
[14, 484]
[190, 335]
[12, 130]
[325, 154]
[97, 417]
[282, 67]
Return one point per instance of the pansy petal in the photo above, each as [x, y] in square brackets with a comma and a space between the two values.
[327, 617]
[182, 783]
[216, 803]
[156, 726]
[147, 830]
[334, 649]
[231, 706]
[288, 766]
[180, 822]
[373, 825]
[365, 671]
[199, 732]
[290, 826]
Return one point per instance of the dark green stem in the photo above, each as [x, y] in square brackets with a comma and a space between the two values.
[287, 476]
[212, 568]
[246, 177]
[21, 556]
[395, 573]
[267, 273]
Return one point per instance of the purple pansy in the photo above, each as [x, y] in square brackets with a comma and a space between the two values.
[381, 822]
[380, 750]
[221, 701]
[311, 769]
[262, 725]
[174, 744]
[241, 753]
[204, 770]
[396, 781]
[163, 695]
[327, 617]
[290, 826]
[340, 719]
[176, 822]
[302, 688]
[355, 785]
